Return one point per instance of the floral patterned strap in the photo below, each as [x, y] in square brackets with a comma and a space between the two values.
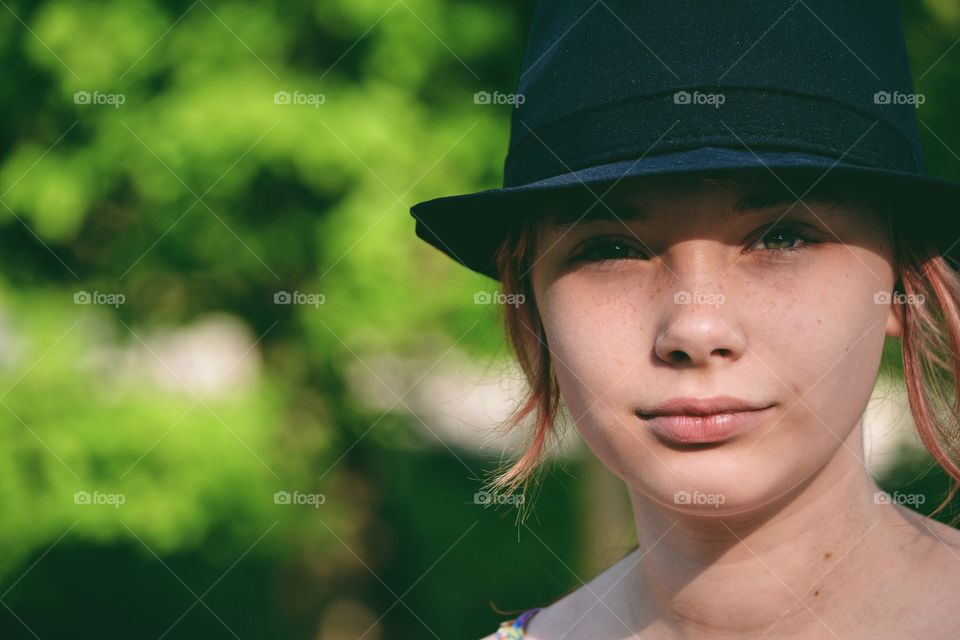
[515, 629]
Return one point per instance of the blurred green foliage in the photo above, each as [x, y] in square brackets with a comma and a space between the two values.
[145, 154]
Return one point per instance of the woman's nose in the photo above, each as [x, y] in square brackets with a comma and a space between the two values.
[699, 322]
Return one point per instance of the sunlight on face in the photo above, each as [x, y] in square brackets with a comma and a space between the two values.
[703, 290]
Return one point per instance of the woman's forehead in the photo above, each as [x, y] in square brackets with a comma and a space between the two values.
[636, 197]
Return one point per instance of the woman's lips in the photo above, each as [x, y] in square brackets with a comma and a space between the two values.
[695, 429]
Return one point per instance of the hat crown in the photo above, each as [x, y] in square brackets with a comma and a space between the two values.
[636, 77]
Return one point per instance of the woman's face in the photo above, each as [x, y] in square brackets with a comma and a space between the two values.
[701, 297]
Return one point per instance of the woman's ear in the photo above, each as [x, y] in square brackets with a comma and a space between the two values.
[895, 314]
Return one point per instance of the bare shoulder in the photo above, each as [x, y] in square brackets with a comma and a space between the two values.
[949, 536]
[931, 577]
[945, 536]
[945, 552]
[931, 598]
[584, 612]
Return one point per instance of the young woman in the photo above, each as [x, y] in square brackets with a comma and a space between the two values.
[709, 300]
[726, 295]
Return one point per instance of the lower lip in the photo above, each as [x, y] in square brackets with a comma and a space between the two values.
[702, 429]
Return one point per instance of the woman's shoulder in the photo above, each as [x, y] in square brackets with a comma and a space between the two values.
[571, 611]
[515, 628]
[563, 614]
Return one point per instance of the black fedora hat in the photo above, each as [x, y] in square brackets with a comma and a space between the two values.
[621, 88]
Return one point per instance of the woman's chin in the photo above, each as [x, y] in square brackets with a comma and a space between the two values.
[715, 489]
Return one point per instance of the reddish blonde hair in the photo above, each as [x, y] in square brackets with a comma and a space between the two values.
[930, 338]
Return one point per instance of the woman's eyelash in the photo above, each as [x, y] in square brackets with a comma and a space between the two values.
[786, 231]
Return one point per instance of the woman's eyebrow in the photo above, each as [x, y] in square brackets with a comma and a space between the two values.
[770, 199]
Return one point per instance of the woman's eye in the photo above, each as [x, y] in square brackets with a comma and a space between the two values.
[606, 250]
[784, 239]
[781, 239]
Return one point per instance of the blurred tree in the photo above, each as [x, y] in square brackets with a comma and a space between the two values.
[198, 158]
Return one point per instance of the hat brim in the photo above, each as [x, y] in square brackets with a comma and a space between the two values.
[469, 227]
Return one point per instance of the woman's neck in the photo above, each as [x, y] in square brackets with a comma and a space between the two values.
[798, 567]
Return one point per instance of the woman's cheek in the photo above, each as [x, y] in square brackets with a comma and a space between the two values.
[826, 359]
[600, 345]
